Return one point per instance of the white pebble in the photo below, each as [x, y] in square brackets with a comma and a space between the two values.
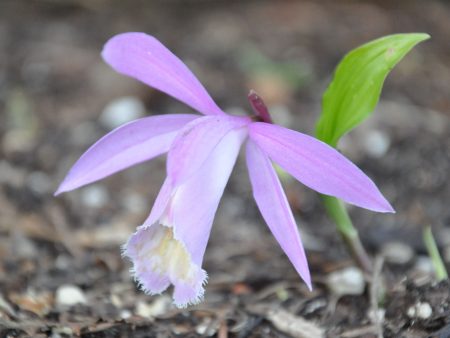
[39, 182]
[424, 265]
[157, 308]
[424, 310]
[143, 309]
[376, 316]
[135, 203]
[411, 312]
[397, 253]
[122, 110]
[420, 310]
[94, 196]
[377, 143]
[348, 281]
[68, 295]
[125, 314]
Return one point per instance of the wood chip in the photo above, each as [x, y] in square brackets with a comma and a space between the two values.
[289, 323]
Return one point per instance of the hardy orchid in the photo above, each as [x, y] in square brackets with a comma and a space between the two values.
[168, 248]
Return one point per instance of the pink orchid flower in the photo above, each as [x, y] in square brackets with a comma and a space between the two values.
[169, 247]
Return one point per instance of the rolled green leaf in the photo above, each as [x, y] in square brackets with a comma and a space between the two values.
[356, 86]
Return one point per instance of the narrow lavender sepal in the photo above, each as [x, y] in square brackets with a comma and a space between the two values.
[318, 166]
[274, 207]
[144, 58]
[195, 142]
[130, 144]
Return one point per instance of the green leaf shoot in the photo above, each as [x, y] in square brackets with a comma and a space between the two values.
[357, 83]
[435, 256]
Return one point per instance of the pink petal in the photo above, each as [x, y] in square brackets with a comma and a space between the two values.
[195, 142]
[274, 207]
[189, 210]
[161, 203]
[144, 58]
[123, 147]
[318, 166]
[197, 199]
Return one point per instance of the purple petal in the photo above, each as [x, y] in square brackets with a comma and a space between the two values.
[318, 166]
[123, 147]
[161, 203]
[200, 195]
[169, 248]
[274, 207]
[195, 142]
[144, 58]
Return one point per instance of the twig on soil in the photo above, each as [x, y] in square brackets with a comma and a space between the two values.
[223, 330]
[359, 332]
[287, 322]
[375, 290]
[62, 229]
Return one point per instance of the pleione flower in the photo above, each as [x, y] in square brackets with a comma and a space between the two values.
[168, 248]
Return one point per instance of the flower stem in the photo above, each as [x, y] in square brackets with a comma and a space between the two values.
[433, 252]
[338, 213]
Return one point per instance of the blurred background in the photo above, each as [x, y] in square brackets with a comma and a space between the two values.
[61, 273]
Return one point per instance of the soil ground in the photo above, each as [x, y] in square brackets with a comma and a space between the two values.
[54, 88]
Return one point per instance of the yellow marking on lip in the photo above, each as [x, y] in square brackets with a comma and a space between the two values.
[168, 256]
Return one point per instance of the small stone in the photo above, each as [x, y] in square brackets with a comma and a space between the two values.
[135, 203]
[18, 141]
[94, 197]
[376, 143]
[121, 111]
[411, 312]
[125, 314]
[116, 301]
[63, 262]
[376, 316]
[181, 329]
[143, 309]
[22, 246]
[420, 310]
[207, 327]
[11, 175]
[424, 265]
[157, 308]
[160, 306]
[424, 310]
[68, 295]
[397, 253]
[39, 182]
[348, 281]
[83, 134]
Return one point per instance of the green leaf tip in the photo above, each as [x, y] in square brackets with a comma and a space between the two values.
[357, 83]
